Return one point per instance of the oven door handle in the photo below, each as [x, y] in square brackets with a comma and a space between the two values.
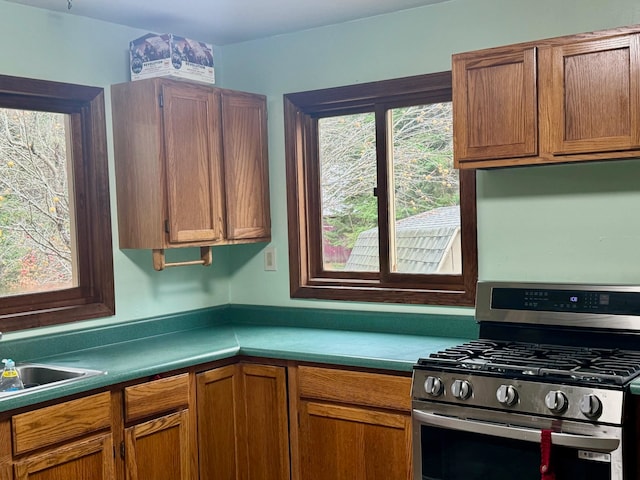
[582, 442]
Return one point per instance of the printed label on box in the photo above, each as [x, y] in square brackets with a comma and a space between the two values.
[171, 55]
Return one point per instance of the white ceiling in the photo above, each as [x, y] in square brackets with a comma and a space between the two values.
[226, 21]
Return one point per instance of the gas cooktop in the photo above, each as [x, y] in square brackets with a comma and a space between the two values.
[565, 364]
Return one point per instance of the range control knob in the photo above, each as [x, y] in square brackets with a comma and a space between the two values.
[556, 401]
[507, 395]
[461, 389]
[433, 386]
[590, 406]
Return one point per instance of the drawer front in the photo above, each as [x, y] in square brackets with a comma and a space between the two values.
[360, 388]
[156, 396]
[62, 422]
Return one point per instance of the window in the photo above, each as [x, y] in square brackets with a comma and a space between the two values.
[56, 258]
[376, 210]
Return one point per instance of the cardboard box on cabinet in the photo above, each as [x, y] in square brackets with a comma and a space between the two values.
[168, 55]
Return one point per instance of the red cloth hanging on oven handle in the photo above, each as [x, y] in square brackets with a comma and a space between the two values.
[545, 456]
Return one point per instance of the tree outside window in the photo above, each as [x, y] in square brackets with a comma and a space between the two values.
[36, 243]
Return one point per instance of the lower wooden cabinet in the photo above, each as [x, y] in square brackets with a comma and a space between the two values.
[353, 425]
[217, 391]
[158, 439]
[71, 440]
[265, 420]
[159, 449]
[348, 443]
[246, 421]
[90, 459]
[243, 423]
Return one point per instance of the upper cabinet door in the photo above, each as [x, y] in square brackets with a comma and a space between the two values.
[246, 170]
[193, 153]
[495, 113]
[595, 95]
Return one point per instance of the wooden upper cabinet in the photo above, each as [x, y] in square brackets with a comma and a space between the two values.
[594, 95]
[565, 99]
[191, 165]
[192, 141]
[245, 156]
[495, 105]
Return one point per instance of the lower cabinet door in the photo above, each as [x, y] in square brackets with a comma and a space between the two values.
[159, 449]
[265, 422]
[243, 423]
[85, 460]
[352, 443]
[217, 393]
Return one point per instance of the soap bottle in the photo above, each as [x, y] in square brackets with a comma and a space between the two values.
[10, 380]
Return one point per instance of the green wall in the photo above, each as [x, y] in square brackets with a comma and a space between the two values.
[37, 43]
[568, 223]
[573, 223]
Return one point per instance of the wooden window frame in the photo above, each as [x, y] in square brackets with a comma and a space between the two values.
[94, 296]
[308, 279]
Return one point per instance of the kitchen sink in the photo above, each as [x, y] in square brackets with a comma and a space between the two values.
[36, 376]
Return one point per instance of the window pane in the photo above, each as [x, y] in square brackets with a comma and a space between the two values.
[36, 239]
[425, 200]
[347, 178]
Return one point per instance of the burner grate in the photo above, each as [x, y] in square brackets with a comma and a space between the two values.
[567, 363]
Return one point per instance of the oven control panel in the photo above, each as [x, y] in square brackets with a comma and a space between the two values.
[521, 396]
[563, 300]
[561, 304]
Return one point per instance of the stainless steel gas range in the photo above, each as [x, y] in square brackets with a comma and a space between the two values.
[543, 394]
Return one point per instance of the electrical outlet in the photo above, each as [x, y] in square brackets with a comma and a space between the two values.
[270, 259]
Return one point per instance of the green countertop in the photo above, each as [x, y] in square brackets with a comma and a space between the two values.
[154, 354]
[144, 348]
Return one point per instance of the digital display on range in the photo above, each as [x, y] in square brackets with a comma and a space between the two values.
[549, 300]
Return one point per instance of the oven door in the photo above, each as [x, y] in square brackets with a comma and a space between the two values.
[460, 443]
